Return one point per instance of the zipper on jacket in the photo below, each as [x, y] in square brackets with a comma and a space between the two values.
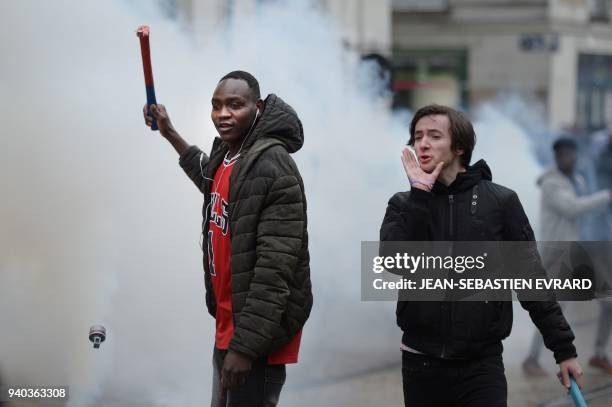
[451, 204]
[443, 352]
[444, 307]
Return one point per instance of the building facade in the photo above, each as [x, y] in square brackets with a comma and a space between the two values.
[464, 52]
[365, 25]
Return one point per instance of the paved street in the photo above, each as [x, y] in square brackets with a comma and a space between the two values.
[359, 377]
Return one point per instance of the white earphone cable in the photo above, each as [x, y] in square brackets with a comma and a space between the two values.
[226, 160]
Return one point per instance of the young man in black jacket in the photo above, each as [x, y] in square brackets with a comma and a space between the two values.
[452, 351]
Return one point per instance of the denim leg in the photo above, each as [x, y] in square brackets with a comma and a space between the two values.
[275, 379]
[216, 399]
[429, 381]
[537, 343]
[261, 388]
[482, 384]
[425, 381]
[604, 326]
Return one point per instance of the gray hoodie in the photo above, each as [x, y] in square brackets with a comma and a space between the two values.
[561, 206]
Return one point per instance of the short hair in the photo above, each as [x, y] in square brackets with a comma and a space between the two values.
[564, 143]
[462, 132]
[248, 78]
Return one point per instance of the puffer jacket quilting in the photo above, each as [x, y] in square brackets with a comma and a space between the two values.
[271, 289]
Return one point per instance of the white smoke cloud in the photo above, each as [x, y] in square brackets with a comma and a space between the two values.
[98, 222]
[508, 150]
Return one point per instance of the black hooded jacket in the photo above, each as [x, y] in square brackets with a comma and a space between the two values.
[472, 208]
[271, 289]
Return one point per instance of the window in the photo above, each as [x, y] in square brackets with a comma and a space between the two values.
[599, 10]
[420, 5]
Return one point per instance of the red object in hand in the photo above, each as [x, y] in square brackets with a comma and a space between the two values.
[143, 32]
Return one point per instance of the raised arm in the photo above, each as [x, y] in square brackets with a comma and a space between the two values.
[192, 159]
[570, 205]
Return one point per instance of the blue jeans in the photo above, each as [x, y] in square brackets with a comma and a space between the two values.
[433, 382]
[261, 388]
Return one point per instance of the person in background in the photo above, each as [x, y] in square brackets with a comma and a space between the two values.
[564, 201]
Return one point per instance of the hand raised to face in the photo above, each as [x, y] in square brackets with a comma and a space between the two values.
[417, 177]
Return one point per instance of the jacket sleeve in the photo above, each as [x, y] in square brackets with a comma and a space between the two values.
[407, 217]
[279, 241]
[546, 315]
[565, 201]
[193, 161]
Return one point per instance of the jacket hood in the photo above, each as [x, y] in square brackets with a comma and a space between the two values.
[278, 121]
[465, 180]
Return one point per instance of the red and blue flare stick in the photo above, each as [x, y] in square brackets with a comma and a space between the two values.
[143, 33]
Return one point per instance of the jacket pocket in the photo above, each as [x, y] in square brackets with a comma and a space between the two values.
[481, 318]
[421, 317]
[493, 318]
[417, 367]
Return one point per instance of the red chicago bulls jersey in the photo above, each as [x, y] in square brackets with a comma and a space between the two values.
[219, 256]
[220, 253]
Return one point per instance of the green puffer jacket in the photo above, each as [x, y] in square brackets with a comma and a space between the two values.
[271, 289]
